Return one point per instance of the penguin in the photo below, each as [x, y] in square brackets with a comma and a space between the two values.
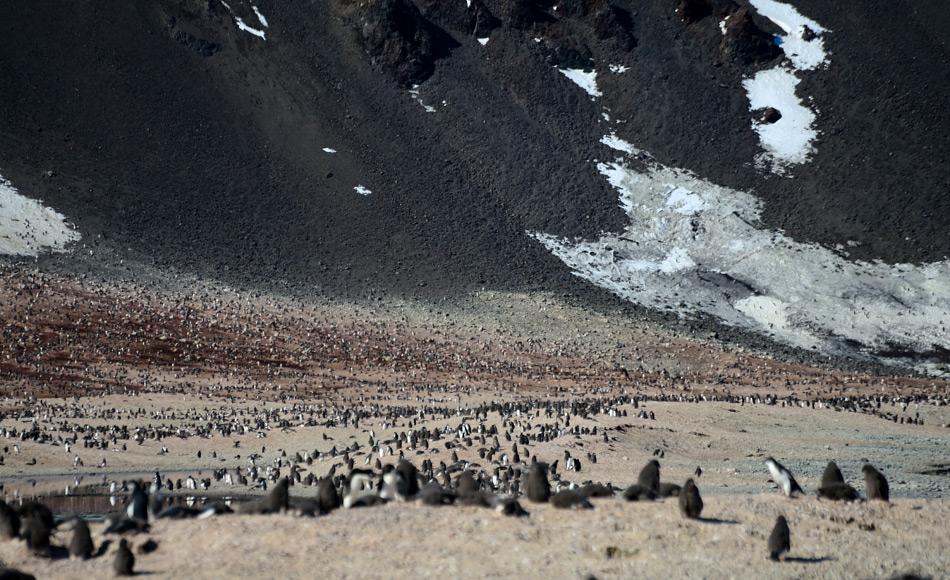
[39, 512]
[831, 475]
[875, 484]
[278, 500]
[783, 477]
[780, 541]
[511, 508]
[597, 490]
[328, 499]
[637, 492]
[147, 547]
[9, 522]
[124, 562]
[410, 476]
[36, 533]
[14, 574]
[465, 486]
[649, 478]
[838, 492]
[691, 503]
[137, 508]
[394, 485]
[571, 499]
[669, 490]
[80, 544]
[433, 494]
[538, 489]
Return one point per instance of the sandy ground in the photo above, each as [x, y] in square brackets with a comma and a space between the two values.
[614, 540]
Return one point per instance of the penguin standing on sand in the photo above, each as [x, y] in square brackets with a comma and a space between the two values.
[780, 540]
[875, 483]
[647, 487]
[328, 498]
[138, 504]
[691, 503]
[538, 489]
[783, 477]
[9, 522]
[80, 544]
[124, 562]
[831, 475]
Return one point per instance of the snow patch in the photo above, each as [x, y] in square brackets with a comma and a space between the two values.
[586, 80]
[27, 227]
[618, 69]
[260, 17]
[483, 41]
[414, 92]
[697, 249]
[788, 140]
[684, 201]
[242, 25]
[804, 54]
[617, 143]
[362, 190]
[328, 150]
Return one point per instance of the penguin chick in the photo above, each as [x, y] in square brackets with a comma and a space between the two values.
[838, 492]
[669, 490]
[9, 522]
[124, 562]
[511, 508]
[691, 503]
[780, 541]
[328, 499]
[570, 499]
[831, 475]
[649, 478]
[875, 484]
[80, 544]
[637, 492]
[538, 489]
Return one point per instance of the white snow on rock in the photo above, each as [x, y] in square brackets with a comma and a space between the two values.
[788, 140]
[698, 249]
[414, 92]
[483, 41]
[27, 227]
[586, 80]
[618, 69]
[329, 150]
[804, 54]
[260, 17]
[619, 144]
[243, 25]
[362, 190]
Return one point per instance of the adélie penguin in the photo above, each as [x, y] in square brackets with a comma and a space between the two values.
[783, 477]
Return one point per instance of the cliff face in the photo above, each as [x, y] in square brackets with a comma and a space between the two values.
[408, 146]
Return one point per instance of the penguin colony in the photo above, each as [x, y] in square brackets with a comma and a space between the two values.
[35, 525]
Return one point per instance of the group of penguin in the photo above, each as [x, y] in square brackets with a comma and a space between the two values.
[34, 522]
